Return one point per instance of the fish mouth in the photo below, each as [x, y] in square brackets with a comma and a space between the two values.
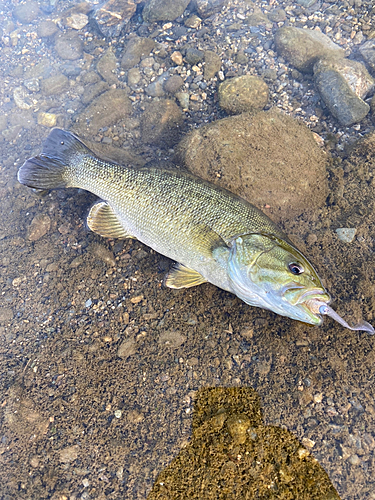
[301, 298]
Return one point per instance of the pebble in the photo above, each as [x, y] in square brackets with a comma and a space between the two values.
[346, 234]
[27, 12]
[106, 67]
[69, 46]
[237, 426]
[212, 64]
[134, 50]
[77, 21]
[55, 84]
[176, 57]
[103, 254]
[6, 314]
[161, 123]
[163, 10]
[243, 94]
[69, 454]
[40, 225]
[47, 29]
[127, 349]
[22, 98]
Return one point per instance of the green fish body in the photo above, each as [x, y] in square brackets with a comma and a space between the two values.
[213, 235]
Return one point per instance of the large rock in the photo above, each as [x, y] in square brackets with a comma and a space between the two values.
[113, 15]
[303, 47]
[339, 98]
[269, 159]
[69, 46]
[135, 49]
[243, 93]
[355, 74]
[161, 123]
[163, 10]
[104, 111]
[206, 8]
[367, 51]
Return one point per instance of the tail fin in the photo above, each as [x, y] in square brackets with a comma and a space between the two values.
[49, 169]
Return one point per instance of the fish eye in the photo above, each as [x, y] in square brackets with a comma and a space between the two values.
[295, 268]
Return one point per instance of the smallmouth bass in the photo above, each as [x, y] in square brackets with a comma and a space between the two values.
[214, 235]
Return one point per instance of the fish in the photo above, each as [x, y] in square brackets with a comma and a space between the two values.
[213, 235]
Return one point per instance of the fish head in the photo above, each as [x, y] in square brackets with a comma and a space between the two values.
[268, 272]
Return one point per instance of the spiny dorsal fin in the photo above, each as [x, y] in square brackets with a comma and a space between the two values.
[181, 276]
[104, 221]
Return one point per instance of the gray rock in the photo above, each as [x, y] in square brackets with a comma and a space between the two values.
[212, 64]
[243, 93]
[94, 90]
[206, 8]
[26, 12]
[134, 76]
[354, 72]
[47, 29]
[339, 98]
[6, 314]
[367, 51]
[104, 111]
[277, 15]
[69, 46]
[194, 56]
[32, 84]
[156, 88]
[55, 84]
[346, 234]
[173, 84]
[113, 15]
[135, 49]
[306, 3]
[127, 349]
[163, 10]
[106, 67]
[303, 47]
[40, 225]
[161, 123]
[267, 158]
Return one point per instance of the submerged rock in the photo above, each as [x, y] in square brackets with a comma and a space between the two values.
[355, 73]
[367, 51]
[339, 98]
[163, 10]
[26, 12]
[268, 159]
[104, 111]
[303, 47]
[135, 49]
[69, 46]
[243, 93]
[206, 8]
[161, 123]
[113, 15]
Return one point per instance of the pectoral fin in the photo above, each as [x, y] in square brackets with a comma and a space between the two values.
[103, 220]
[181, 276]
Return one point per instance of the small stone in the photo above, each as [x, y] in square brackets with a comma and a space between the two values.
[354, 459]
[176, 57]
[85, 482]
[126, 349]
[134, 76]
[26, 12]
[69, 46]
[173, 84]
[47, 29]
[137, 299]
[237, 426]
[183, 99]
[172, 339]
[193, 22]
[367, 51]
[77, 21]
[302, 453]
[88, 303]
[194, 56]
[112, 16]
[309, 443]
[22, 98]
[277, 15]
[163, 10]
[212, 64]
[206, 8]
[318, 398]
[55, 84]
[40, 225]
[6, 314]
[104, 254]
[106, 67]
[34, 462]
[69, 454]
[243, 94]
[346, 234]
[118, 413]
[32, 84]
[135, 49]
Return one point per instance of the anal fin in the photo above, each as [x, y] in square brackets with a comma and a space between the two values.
[181, 276]
[103, 220]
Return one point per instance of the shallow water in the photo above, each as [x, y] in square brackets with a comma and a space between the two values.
[101, 364]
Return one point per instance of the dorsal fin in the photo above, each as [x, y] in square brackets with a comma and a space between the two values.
[103, 220]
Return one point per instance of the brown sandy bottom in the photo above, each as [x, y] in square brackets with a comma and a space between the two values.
[101, 365]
